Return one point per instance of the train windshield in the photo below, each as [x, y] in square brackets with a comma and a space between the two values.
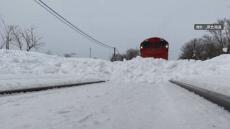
[162, 44]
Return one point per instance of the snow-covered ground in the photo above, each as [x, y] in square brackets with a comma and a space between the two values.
[137, 95]
[32, 69]
[112, 105]
[215, 82]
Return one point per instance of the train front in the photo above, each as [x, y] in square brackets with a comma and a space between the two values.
[154, 47]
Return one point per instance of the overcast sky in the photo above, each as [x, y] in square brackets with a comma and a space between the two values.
[120, 23]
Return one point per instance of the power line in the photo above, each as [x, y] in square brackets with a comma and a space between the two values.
[65, 21]
[69, 24]
[53, 14]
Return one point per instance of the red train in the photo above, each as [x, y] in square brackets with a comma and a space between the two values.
[154, 47]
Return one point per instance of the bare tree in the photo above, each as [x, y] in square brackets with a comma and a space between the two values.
[12, 35]
[69, 55]
[200, 49]
[208, 46]
[132, 53]
[31, 39]
[2, 40]
[117, 57]
[189, 50]
[227, 33]
[207, 39]
[222, 37]
[17, 36]
[6, 35]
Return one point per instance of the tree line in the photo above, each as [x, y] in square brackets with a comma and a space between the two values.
[130, 54]
[212, 44]
[14, 37]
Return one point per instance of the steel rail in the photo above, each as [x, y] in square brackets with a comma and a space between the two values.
[217, 98]
[33, 89]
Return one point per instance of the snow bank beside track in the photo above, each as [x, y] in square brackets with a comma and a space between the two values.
[21, 67]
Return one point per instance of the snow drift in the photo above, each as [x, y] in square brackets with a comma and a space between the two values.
[138, 94]
[30, 67]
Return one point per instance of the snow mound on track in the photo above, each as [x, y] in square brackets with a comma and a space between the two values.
[18, 64]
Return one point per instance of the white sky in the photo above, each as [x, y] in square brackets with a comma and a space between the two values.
[120, 23]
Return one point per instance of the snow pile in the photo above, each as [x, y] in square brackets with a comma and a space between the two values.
[17, 62]
[29, 69]
[138, 95]
[25, 67]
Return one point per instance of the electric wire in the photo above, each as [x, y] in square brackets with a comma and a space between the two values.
[69, 24]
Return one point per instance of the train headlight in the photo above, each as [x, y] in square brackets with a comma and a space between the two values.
[141, 47]
[167, 46]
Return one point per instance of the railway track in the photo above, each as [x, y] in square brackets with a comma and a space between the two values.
[217, 98]
[128, 105]
[25, 90]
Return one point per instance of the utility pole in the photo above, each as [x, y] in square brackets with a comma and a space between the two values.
[194, 50]
[114, 52]
[7, 42]
[90, 52]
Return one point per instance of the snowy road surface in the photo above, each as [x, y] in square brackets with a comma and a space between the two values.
[112, 105]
